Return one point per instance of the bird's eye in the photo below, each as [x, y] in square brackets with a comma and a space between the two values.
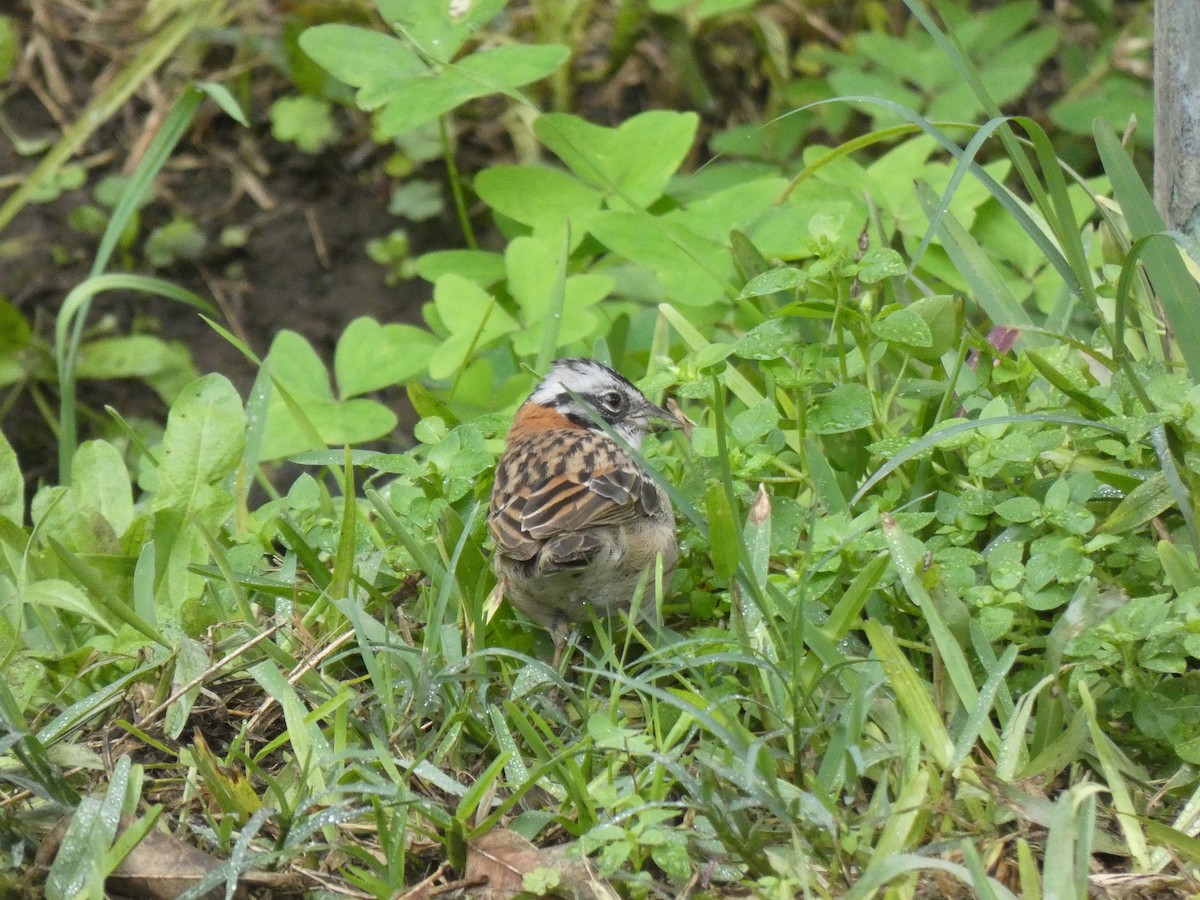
[613, 400]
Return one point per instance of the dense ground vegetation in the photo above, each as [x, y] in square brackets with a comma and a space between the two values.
[934, 628]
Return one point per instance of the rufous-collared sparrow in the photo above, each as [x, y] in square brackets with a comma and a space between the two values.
[574, 519]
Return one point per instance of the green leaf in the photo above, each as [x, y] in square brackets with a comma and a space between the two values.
[191, 662]
[202, 444]
[881, 263]
[179, 239]
[845, 408]
[1174, 286]
[537, 196]
[57, 594]
[905, 327]
[474, 319]
[1149, 499]
[691, 269]
[12, 484]
[101, 487]
[221, 96]
[911, 692]
[784, 278]
[370, 356]
[76, 870]
[723, 532]
[480, 266]
[377, 64]
[1110, 765]
[1112, 99]
[941, 314]
[632, 163]
[8, 47]
[201, 449]
[1179, 841]
[303, 737]
[114, 607]
[313, 415]
[304, 121]
[131, 356]
[533, 276]
[773, 339]
[416, 200]
[14, 327]
[987, 284]
[754, 423]
[439, 28]
[500, 70]
[1019, 509]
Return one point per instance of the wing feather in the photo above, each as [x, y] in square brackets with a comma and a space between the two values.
[588, 481]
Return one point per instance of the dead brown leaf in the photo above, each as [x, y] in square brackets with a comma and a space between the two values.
[502, 858]
[162, 867]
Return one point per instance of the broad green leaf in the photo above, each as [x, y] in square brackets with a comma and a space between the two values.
[497, 71]
[191, 661]
[296, 369]
[377, 64]
[845, 408]
[881, 263]
[294, 364]
[692, 271]
[1112, 99]
[370, 356]
[201, 449]
[474, 319]
[537, 196]
[57, 594]
[304, 121]
[742, 206]
[632, 163]
[784, 278]
[100, 484]
[439, 28]
[754, 423]
[903, 326]
[14, 327]
[349, 422]
[773, 339]
[202, 443]
[941, 314]
[180, 240]
[8, 47]
[12, 484]
[480, 266]
[1151, 498]
[131, 356]
[533, 273]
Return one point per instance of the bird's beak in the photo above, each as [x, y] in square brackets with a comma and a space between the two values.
[660, 419]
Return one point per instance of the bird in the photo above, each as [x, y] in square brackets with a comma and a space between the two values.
[574, 519]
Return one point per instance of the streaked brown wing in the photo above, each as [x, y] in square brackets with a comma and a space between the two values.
[505, 527]
[566, 504]
[587, 482]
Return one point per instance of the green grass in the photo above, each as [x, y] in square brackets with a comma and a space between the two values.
[933, 627]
